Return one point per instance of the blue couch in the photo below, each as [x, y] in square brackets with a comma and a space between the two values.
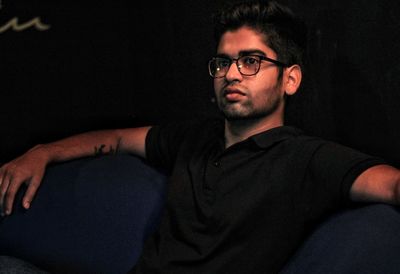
[92, 216]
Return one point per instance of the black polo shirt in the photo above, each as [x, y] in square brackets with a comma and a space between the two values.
[247, 208]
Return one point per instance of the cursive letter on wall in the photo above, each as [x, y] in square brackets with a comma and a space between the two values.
[14, 25]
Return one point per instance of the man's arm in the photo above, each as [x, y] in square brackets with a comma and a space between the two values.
[30, 167]
[380, 183]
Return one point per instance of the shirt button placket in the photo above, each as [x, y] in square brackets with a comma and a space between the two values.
[211, 176]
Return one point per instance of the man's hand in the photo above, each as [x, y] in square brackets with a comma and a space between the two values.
[29, 169]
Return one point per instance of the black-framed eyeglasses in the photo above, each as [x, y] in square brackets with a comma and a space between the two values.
[247, 65]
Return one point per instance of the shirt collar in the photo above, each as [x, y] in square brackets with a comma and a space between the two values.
[269, 137]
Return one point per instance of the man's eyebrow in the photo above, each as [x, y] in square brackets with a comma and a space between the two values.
[243, 53]
[222, 55]
[252, 52]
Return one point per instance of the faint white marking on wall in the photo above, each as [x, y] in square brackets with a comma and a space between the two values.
[14, 25]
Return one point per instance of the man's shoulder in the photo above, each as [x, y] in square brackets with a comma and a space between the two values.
[330, 150]
[296, 139]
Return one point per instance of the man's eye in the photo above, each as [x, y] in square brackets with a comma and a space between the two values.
[250, 60]
[223, 63]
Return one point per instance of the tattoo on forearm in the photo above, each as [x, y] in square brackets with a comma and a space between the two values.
[100, 150]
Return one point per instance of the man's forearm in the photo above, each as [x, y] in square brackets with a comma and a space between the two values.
[82, 145]
[377, 184]
[30, 167]
[96, 143]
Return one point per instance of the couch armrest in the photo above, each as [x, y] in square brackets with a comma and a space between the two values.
[89, 216]
[360, 240]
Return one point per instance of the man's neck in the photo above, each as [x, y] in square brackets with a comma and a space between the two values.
[239, 130]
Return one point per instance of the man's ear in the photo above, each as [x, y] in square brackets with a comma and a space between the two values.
[292, 79]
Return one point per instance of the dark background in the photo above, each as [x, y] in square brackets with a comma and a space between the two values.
[121, 63]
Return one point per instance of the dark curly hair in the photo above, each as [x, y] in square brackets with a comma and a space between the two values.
[285, 33]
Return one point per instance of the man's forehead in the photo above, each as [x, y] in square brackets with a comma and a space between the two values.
[236, 43]
[244, 38]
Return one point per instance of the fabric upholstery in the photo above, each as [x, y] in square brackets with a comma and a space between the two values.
[361, 240]
[89, 216]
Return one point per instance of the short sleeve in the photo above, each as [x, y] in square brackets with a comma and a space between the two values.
[163, 144]
[335, 167]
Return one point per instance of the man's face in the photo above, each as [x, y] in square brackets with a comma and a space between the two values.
[248, 97]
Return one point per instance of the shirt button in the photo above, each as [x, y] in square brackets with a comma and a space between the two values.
[217, 164]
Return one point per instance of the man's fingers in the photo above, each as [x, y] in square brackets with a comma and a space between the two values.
[5, 181]
[2, 171]
[31, 191]
[28, 168]
[13, 186]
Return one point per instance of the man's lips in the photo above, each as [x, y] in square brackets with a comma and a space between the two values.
[233, 94]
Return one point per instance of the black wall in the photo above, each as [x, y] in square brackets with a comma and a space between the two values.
[110, 64]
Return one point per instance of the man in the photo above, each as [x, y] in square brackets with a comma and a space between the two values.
[245, 191]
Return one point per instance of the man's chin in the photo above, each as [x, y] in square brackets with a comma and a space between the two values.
[232, 114]
[235, 112]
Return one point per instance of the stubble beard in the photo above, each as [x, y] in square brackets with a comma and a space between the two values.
[240, 111]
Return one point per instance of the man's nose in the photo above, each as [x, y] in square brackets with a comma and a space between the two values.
[233, 73]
